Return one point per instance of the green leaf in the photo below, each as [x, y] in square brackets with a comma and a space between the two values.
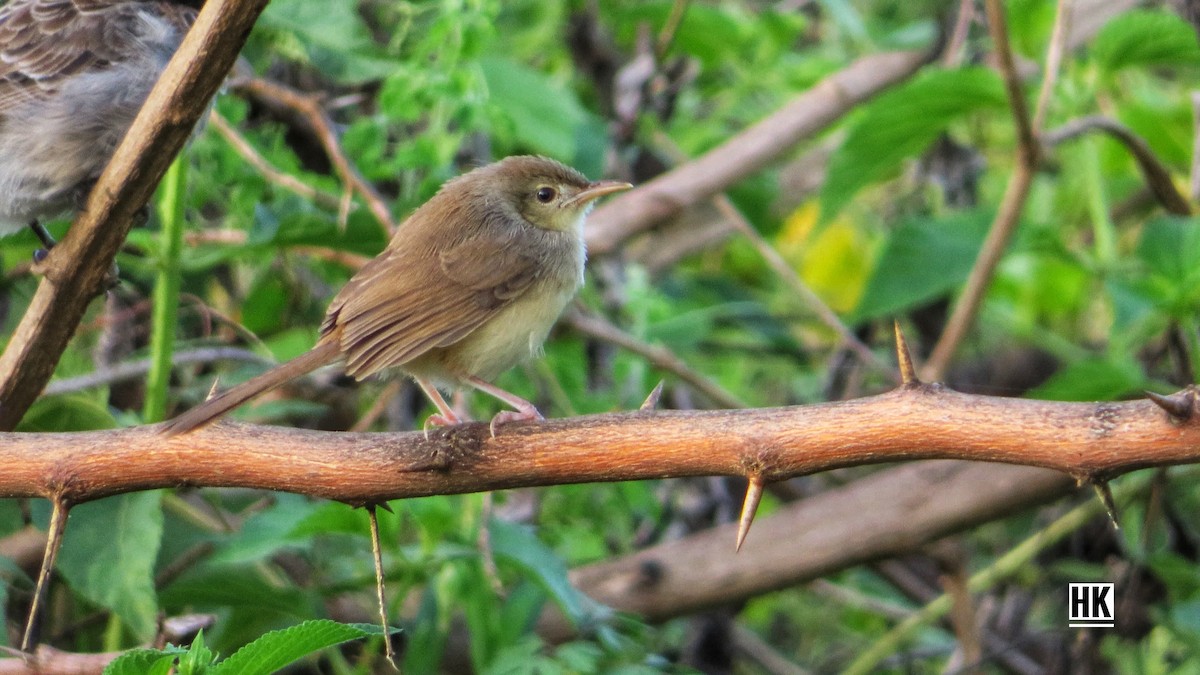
[545, 116]
[1170, 247]
[901, 124]
[517, 545]
[108, 556]
[267, 531]
[922, 260]
[197, 659]
[1092, 380]
[1146, 38]
[75, 412]
[277, 649]
[334, 37]
[144, 662]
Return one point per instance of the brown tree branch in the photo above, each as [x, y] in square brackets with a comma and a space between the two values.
[1157, 175]
[962, 317]
[308, 108]
[882, 515]
[659, 357]
[76, 268]
[1091, 441]
[269, 173]
[749, 151]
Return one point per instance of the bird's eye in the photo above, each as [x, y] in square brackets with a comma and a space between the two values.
[546, 195]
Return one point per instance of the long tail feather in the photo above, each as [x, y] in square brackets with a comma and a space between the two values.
[324, 353]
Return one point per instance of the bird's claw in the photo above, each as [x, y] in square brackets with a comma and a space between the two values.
[440, 420]
[506, 416]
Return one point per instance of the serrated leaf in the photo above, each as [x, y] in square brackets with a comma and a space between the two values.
[278, 648]
[108, 556]
[921, 260]
[517, 545]
[1146, 38]
[901, 124]
[144, 662]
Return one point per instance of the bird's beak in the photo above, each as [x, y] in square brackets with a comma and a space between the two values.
[597, 190]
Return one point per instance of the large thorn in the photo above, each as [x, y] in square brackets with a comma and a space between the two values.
[54, 536]
[1104, 492]
[377, 550]
[908, 373]
[1179, 405]
[754, 493]
[651, 401]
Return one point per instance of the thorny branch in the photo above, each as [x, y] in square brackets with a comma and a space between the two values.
[1091, 441]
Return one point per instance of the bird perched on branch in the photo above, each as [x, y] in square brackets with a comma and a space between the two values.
[73, 75]
[468, 286]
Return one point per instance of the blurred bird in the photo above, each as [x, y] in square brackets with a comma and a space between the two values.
[73, 75]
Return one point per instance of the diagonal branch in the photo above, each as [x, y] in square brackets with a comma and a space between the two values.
[749, 151]
[962, 317]
[76, 268]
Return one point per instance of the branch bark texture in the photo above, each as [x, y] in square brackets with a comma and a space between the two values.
[1091, 441]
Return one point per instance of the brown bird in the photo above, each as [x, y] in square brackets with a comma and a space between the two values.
[73, 75]
[469, 285]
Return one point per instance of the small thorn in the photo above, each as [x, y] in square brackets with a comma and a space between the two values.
[908, 373]
[377, 550]
[1104, 492]
[54, 537]
[1179, 406]
[212, 391]
[651, 401]
[754, 493]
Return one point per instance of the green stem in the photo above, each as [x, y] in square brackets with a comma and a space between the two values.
[166, 292]
[1007, 565]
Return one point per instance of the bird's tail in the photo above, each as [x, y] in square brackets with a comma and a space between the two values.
[324, 353]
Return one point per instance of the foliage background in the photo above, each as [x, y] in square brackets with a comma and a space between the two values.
[881, 215]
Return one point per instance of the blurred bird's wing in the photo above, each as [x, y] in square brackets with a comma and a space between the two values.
[43, 43]
[410, 300]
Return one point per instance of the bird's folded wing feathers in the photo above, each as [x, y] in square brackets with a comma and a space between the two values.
[396, 308]
[44, 42]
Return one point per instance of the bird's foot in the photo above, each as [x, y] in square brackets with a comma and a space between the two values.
[446, 419]
[529, 414]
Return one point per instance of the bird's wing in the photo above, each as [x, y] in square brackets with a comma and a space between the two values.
[403, 303]
[45, 42]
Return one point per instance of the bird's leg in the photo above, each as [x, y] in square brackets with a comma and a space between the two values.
[44, 236]
[525, 411]
[445, 416]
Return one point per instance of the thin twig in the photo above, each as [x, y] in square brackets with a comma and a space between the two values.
[952, 54]
[1054, 58]
[659, 357]
[132, 370]
[1005, 222]
[308, 107]
[272, 175]
[1157, 175]
[810, 299]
